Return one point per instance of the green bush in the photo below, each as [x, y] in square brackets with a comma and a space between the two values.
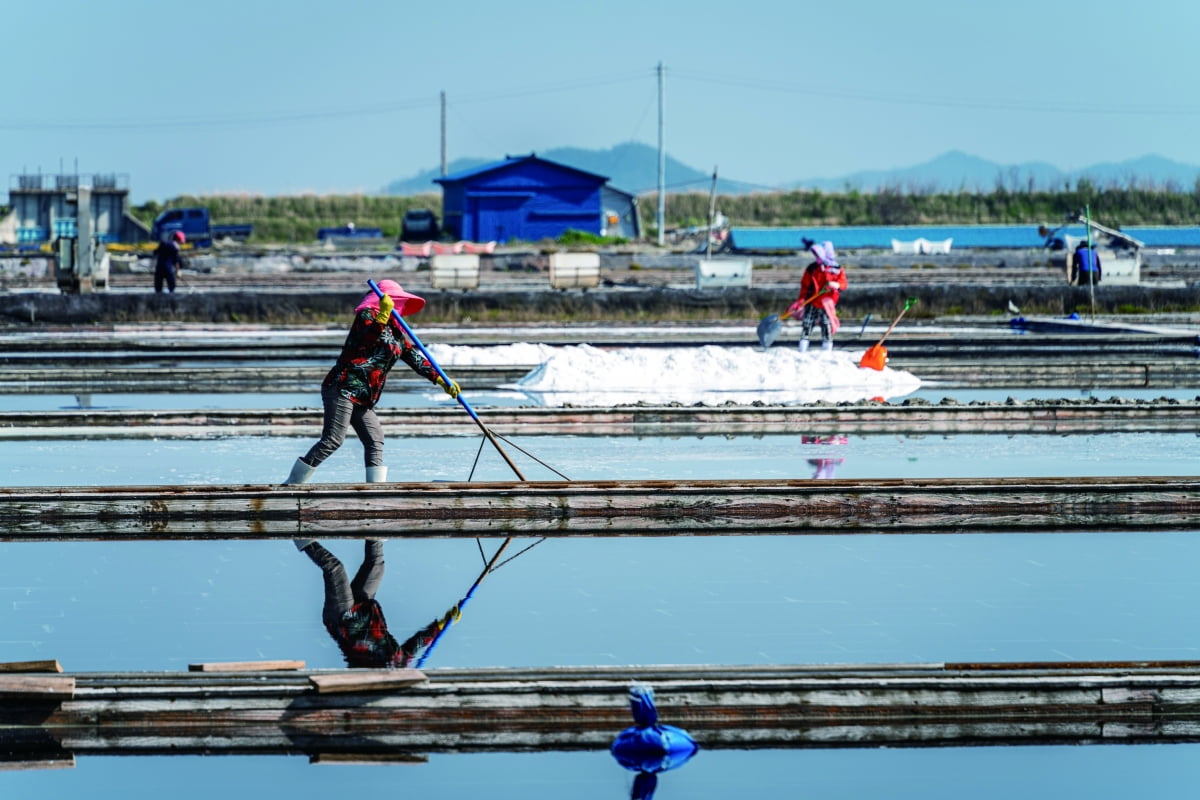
[575, 238]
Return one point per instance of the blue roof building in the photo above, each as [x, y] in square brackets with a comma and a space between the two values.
[530, 198]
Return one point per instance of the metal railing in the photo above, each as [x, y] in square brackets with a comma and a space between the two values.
[66, 182]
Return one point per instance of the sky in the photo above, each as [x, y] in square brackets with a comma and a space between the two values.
[312, 96]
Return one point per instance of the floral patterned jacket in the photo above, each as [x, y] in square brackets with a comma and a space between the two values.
[362, 635]
[370, 351]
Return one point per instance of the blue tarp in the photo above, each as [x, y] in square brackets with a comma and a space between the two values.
[649, 745]
[879, 237]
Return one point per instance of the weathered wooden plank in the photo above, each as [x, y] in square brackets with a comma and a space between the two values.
[360, 759]
[61, 762]
[368, 681]
[582, 708]
[1035, 417]
[602, 508]
[1174, 368]
[31, 666]
[246, 666]
[37, 686]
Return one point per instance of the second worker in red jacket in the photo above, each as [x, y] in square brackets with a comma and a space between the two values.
[820, 286]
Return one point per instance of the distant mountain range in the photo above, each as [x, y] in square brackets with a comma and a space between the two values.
[633, 167]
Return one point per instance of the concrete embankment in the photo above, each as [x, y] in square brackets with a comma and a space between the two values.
[263, 304]
[278, 288]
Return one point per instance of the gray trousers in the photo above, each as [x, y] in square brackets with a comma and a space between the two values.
[815, 314]
[341, 414]
[342, 594]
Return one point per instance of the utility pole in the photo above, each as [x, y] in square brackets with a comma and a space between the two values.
[443, 133]
[1087, 221]
[662, 153]
[712, 212]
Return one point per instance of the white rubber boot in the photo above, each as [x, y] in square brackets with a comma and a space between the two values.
[804, 345]
[827, 344]
[376, 474]
[301, 472]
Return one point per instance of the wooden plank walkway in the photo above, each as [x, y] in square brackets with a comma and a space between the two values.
[377, 713]
[134, 344]
[1053, 417]
[601, 508]
[1049, 371]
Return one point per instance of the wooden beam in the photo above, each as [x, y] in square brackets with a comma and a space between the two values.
[61, 762]
[363, 759]
[499, 710]
[1049, 417]
[246, 666]
[31, 666]
[990, 372]
[367, 680]
[601, 508]
[37, 686]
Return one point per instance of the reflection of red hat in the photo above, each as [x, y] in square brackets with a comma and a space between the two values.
[405, 303]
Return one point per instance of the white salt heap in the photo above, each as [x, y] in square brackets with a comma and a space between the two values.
[583, 375]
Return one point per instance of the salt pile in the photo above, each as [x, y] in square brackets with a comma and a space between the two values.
[583, 375]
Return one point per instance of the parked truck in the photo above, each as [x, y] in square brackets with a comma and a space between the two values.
[197, 227]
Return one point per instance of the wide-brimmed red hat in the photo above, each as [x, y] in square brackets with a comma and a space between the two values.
[405, 303]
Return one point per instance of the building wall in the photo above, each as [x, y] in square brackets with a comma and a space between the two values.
[527, 200]
[619, 214]
[41, 202]
[453, 208]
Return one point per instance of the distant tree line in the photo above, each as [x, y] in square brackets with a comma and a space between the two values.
[1113, 206]
[297, 218]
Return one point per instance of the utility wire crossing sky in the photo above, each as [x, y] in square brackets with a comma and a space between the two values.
[266, 98]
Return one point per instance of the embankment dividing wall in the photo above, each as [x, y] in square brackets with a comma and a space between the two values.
[617, 303]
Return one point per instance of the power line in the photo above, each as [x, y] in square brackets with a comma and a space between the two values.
[256, 118]
[230, 120]
[996, 104]
[282, 117]
[569, 86]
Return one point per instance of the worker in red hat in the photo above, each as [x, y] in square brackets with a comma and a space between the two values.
[352, 388]
[168, 260]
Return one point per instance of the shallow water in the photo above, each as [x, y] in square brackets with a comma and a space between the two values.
[588, 601]
[237, 460]
[579, 602]
[1098, 772]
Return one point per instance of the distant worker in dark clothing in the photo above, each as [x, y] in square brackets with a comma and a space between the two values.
[1085, 265]
[355, 619]
[167, 261]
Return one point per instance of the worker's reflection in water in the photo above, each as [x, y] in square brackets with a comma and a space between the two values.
[354, 618]
[824, 467]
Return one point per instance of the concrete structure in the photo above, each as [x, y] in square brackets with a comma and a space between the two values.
[720, 273]
[529, 198]
[574, 270]
[80, 259]
[44, 207]
[922, 246]
[454, 270]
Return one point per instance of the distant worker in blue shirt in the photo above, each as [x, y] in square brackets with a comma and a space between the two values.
[168, 261]
[1085, 265]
